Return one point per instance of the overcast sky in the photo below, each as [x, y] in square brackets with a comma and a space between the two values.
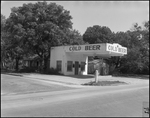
[117, 15]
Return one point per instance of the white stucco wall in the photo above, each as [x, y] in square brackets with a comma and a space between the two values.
[74, 57]
[58, 53]
[80, 53]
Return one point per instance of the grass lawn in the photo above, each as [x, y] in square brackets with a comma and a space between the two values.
[19, 85]
[104, 83]
[138, 76]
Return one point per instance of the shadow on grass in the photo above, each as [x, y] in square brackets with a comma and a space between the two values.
[132, 76]
[15, 73]
[104, 83]
[73, 76]
[80, 76]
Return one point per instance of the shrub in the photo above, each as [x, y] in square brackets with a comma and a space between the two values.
[52, 71]
[28, 69]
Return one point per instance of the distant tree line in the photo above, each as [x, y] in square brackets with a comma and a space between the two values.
[35, 28]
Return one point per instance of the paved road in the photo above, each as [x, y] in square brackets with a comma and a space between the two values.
[112, 101]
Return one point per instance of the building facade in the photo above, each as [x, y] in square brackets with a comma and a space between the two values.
[73, 60]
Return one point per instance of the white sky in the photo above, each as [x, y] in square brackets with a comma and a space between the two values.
[117, 15]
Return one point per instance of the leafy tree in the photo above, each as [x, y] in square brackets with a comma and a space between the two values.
[98, 34]
[3, 20]
[12, 47]
[144, 50]
[5, 43]
[135, 27]
[137, 42]
[74, 38]
[38, 27]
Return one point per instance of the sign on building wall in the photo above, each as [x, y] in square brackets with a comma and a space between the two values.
[97, 48]
[86, 48]
[78, 48]
[116, 48]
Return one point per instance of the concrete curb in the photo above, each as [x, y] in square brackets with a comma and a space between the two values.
[15, 74]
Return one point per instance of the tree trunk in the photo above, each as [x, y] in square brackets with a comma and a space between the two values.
[17, 64]
[46, 63]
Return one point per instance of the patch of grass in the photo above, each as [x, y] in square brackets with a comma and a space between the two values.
[132, 76]
[104, 83]
[14, 85]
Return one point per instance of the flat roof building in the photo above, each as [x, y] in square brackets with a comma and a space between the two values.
[73, 59]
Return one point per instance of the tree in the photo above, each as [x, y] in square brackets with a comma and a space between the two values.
[5, 43]
[135, 27]
[98, 34]
[39, 26]
[144, 50]
[137, 42]
[74, 38]
[3, 20]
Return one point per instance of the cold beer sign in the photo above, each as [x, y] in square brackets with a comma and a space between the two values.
[103, 48]
[84, 48]
[116, 48]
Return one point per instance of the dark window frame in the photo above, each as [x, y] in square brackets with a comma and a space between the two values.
[82, 65]
[69, 66]
[59, 67]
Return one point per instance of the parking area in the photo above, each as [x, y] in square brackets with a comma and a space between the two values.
[19, 85]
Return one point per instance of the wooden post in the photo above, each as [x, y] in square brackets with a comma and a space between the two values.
[96, 76]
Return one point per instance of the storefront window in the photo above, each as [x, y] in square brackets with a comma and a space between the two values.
[82, 66]
[69, 65]
[59, 63]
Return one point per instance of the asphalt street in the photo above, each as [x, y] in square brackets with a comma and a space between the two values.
[111, 101]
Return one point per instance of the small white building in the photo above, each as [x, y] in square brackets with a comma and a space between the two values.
[73, 60]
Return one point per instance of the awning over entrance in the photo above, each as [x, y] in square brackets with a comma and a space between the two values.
[103, 49]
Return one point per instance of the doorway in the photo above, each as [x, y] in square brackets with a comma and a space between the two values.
[76, 67]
